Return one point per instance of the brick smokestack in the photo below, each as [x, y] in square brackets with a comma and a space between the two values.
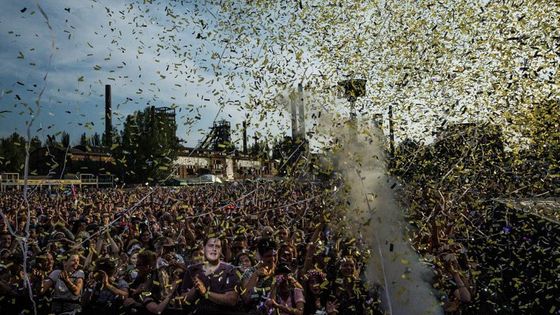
[108, 114]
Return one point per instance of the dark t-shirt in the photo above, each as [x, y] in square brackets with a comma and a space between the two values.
[223, 279]
[151, 293]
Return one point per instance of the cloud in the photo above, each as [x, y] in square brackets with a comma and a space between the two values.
[97, 43]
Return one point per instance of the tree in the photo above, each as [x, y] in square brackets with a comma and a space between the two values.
[35, 144]
[51, 141]
[149, 146]
[96, 140]
[536, 164]
[84, 140]
[12, 156]
[540, 123]
[65, 139]
[13, 153]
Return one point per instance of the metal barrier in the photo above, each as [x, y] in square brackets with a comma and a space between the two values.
[12, 181]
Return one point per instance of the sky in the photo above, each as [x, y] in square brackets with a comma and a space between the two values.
[436, 65]
[57, 56]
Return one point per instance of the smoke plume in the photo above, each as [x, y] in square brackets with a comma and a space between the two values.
[379, 221]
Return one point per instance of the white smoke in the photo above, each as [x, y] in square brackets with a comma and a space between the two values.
[377, 218]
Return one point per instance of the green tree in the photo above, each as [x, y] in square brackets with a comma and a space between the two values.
[96, 140]
[536, 161]
[12, 156]
[84, 140]
[540, 123]
[51, 141]
[12, 152]
[149, 146]
[65, 139]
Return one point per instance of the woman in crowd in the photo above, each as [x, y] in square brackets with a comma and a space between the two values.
[66, 284]
[317, 294]
[244, 260]
[286, 296]
[348, 292]
[12, 286]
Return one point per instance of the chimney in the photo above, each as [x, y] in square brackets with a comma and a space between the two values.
[293, 110]
[108, 114]
[244, 137]
[301, 112]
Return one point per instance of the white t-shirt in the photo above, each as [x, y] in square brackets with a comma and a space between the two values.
[61, 291]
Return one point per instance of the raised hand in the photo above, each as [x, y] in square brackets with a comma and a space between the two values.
[263, 270]
[199, 285]
[104, 278]
[271, 303]
[64, 276]
[332, 307]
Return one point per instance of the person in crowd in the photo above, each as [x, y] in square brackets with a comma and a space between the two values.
[104, 293]
[12, 286]
[286, 296]
[287, 255]
[460, 293]
[239, 244]
[284, 235]
[146, 240]
[316, 294]
[212, 286]
[244, 260]
[145, 293]
[44, 265]
[348, 293]
[66, 285]
[170, 267]
[257, 280]
[5, 240]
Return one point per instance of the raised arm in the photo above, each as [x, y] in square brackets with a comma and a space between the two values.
[158, 308]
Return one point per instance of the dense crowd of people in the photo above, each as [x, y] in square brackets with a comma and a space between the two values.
[252, 247]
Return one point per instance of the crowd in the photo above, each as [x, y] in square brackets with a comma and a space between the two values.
[253, 247]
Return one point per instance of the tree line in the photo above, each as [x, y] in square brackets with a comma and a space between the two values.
[143, 151]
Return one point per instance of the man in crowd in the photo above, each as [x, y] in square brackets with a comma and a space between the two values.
[213, 286]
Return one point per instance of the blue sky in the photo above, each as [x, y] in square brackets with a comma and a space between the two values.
[140, 52]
